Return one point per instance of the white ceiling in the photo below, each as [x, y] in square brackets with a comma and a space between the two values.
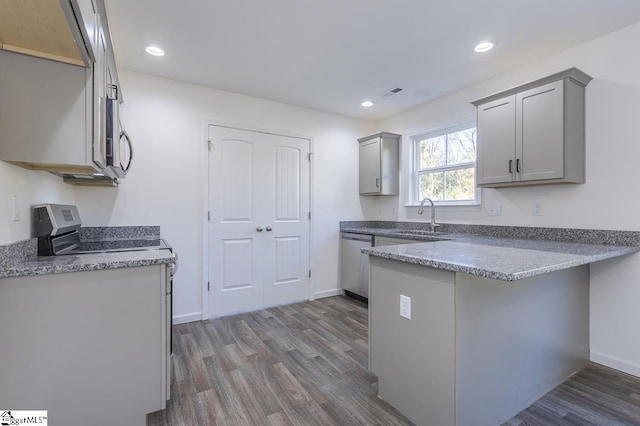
[330, 55]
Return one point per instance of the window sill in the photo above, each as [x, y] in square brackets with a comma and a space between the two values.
[448, 204]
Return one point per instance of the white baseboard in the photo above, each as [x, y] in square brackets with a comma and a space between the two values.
[259, 309]
[197, 316]
[191, 317]
[616, 363]
[328, 293]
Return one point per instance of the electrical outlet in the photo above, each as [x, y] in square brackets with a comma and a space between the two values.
[494, 209]
[536, 208]
[16, 208]
[405, 306]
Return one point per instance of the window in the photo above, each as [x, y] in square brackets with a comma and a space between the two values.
[445, 166]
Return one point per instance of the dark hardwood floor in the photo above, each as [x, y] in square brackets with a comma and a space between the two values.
[306, 364]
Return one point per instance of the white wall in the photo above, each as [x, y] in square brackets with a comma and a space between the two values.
[31, 188]
[609, 199]
[166, 120]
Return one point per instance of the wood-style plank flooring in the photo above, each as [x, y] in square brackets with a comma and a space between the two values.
[300, 364]
[595, 395]
[306, 364]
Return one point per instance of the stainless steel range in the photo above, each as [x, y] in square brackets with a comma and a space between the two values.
[57, 228]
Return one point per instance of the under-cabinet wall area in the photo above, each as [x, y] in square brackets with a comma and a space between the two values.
[30, 188]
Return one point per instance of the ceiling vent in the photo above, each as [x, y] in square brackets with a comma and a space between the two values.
[391, 92]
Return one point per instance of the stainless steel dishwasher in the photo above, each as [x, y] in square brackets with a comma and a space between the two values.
[354, 265]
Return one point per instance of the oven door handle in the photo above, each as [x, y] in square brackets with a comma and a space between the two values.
[173, 266]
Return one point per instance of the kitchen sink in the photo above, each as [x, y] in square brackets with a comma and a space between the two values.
[419, 232]
[420, 235]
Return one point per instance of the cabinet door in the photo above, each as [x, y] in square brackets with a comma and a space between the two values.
[87, 22]
[100, 98]
[370, 166]
[540, 132]
[496, 141]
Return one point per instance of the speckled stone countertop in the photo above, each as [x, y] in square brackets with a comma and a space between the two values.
[501, 258]
[87, 262]
[115, 233]
[20, 258]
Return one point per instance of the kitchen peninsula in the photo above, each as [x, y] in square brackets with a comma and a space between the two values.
[493, 322]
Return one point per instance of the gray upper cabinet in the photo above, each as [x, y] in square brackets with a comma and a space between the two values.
[498, 124]
[53, 112]
[533, 134]
[379, 174]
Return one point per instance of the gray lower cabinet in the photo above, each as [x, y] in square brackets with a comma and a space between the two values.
[533, 134]
[84, 344]
[379, 170]
[476, 351]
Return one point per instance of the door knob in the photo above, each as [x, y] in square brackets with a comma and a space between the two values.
[269, 229]
[259, 229]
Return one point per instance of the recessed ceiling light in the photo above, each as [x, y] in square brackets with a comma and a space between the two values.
[155, 51]
[367, 104]
[484, 47]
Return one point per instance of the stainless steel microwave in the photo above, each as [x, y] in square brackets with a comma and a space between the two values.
[118, 144]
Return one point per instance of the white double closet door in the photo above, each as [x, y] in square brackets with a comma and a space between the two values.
[259, 220]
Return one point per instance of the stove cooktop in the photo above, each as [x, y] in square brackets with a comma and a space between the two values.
[85, 247]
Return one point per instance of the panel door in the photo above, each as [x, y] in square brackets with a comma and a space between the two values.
[370, 166]
[286, 255]
[540, 132]
[259, 226]
[496, 141]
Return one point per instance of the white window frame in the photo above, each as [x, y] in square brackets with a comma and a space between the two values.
[414, 184]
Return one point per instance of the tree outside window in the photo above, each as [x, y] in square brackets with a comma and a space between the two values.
[445, 165]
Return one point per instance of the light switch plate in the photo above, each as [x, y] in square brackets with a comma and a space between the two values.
[405, 306]
[16, 208]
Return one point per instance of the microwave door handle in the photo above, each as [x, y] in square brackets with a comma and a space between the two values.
[126, 137]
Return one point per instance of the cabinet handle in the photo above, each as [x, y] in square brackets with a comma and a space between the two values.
[377, 182]
[518, 165]
[510, 166]
[259, 229]
[269, 229]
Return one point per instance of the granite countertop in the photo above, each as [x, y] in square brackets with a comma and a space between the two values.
[501, 258]
[20, 258]
[87, 262]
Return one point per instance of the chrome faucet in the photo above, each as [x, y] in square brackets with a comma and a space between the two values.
[433, 212]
